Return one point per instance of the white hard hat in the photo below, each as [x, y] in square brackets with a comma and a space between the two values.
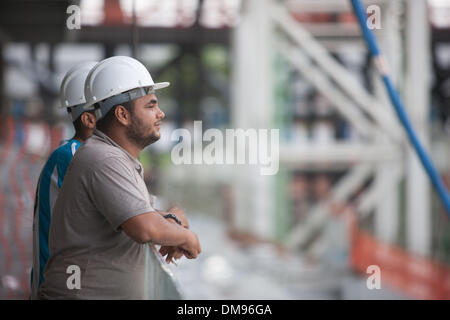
[117, 80]
[71, 92]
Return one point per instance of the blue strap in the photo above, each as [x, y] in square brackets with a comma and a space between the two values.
[400, 111]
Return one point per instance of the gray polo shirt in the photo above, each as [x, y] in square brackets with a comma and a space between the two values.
[103, 188]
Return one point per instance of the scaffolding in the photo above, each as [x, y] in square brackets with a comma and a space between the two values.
[379, 174]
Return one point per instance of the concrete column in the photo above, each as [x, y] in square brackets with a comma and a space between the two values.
[417, 103]
[252, 107]
[387, 210]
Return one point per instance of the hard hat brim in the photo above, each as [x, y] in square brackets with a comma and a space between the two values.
[161, 85]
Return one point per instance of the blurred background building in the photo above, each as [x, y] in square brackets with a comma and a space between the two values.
[349, 193]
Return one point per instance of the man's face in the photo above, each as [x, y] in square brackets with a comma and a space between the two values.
[146, 120]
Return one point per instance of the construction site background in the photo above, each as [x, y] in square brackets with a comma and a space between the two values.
[347, 195]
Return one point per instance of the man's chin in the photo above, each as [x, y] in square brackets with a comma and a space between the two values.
[152, 139]
[156, 137]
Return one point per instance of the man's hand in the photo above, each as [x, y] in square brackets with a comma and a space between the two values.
[190, 249]
[171, 252]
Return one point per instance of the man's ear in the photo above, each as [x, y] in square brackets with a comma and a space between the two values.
[88, 120]
[122, 115]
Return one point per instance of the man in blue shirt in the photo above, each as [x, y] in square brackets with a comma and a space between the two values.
[52, 175]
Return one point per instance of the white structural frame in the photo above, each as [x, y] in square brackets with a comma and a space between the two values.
[267, 26]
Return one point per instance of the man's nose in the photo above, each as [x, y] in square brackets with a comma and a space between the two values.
[161, 114]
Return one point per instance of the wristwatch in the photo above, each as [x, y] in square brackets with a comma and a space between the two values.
[174, 217]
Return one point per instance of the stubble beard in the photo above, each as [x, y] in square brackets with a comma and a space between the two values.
[136, 133]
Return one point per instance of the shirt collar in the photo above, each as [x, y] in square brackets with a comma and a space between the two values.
[106, 139]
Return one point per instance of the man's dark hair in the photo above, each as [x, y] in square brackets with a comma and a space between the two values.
[104, 123]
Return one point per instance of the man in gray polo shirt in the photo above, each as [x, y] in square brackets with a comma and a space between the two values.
[103, 218]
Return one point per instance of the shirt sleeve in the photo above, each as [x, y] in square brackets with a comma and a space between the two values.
[115, 192]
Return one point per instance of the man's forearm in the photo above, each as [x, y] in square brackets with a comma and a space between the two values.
[153, 227]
